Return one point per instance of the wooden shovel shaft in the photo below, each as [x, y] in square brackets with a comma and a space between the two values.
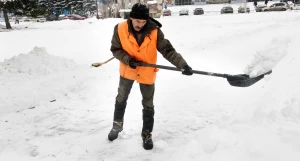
[101, 63]
[108, 60]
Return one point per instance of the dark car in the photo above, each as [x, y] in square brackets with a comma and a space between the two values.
[52, 17]
[167, 12]
[227, 9]
[74, 17]
[198, 11]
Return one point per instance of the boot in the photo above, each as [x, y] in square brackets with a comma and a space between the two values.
[147, 140]
[118, 121]
[148, 122]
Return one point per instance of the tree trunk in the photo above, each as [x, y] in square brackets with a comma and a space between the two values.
[104, 10]
[8, 26]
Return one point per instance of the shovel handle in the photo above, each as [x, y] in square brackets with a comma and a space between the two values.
[241, 80]
[178, 69]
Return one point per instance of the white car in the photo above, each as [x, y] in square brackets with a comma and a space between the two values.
[295, 6]
[183, 11]
[40, 19]
[24, 19]
[281, 6]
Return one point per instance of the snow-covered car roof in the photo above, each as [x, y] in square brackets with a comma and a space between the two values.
[152, 2]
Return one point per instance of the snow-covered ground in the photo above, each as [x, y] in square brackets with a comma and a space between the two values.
[54, 106]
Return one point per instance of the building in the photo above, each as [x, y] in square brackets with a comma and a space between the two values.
[155, 6]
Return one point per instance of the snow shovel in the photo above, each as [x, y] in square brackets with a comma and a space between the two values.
[240, 80]
[101, 63]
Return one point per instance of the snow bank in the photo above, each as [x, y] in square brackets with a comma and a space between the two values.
[36, 62]
[29, 79]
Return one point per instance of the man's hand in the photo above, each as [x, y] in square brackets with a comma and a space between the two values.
[187, 70]
[132, 63]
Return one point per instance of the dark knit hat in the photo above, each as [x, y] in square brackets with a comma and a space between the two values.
[139, 11]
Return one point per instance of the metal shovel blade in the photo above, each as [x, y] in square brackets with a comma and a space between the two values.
[243, 80]
[97, 64]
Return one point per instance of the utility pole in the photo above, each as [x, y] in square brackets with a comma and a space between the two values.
[245, 7]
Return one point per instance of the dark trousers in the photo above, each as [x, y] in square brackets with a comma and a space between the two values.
[124, 89]
[147, 92]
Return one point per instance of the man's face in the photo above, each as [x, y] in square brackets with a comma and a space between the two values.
[138, 24]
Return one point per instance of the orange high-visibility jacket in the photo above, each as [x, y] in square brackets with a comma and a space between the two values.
[147, 53]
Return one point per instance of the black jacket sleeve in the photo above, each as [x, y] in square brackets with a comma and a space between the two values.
[116, 48]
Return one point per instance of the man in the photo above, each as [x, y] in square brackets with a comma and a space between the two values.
[255, 4]
[266, 2]
[137, 40]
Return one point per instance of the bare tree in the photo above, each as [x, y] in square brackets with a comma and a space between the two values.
[3, 7]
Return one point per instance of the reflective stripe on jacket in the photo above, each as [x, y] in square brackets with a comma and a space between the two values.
[147, 53]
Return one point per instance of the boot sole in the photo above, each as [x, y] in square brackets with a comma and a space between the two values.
[148, 147]
[110, 138]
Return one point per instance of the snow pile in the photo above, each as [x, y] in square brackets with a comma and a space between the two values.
[36, 62]
[28, 79]
[266, 59]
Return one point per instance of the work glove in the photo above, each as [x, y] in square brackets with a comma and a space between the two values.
[187, 70]
[132, 63]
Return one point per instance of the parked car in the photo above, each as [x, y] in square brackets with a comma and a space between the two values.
[198, 11]
[124, 13]
[24, 19]
[289, 3]
[295, 6]
[260, 7]
[241, 9]
[276, 7]
[74, 17]
[227, 9]
[61, 17]
[40, 19]
[183, 11]
[217, 1]
[167, 12]
[51, 17]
